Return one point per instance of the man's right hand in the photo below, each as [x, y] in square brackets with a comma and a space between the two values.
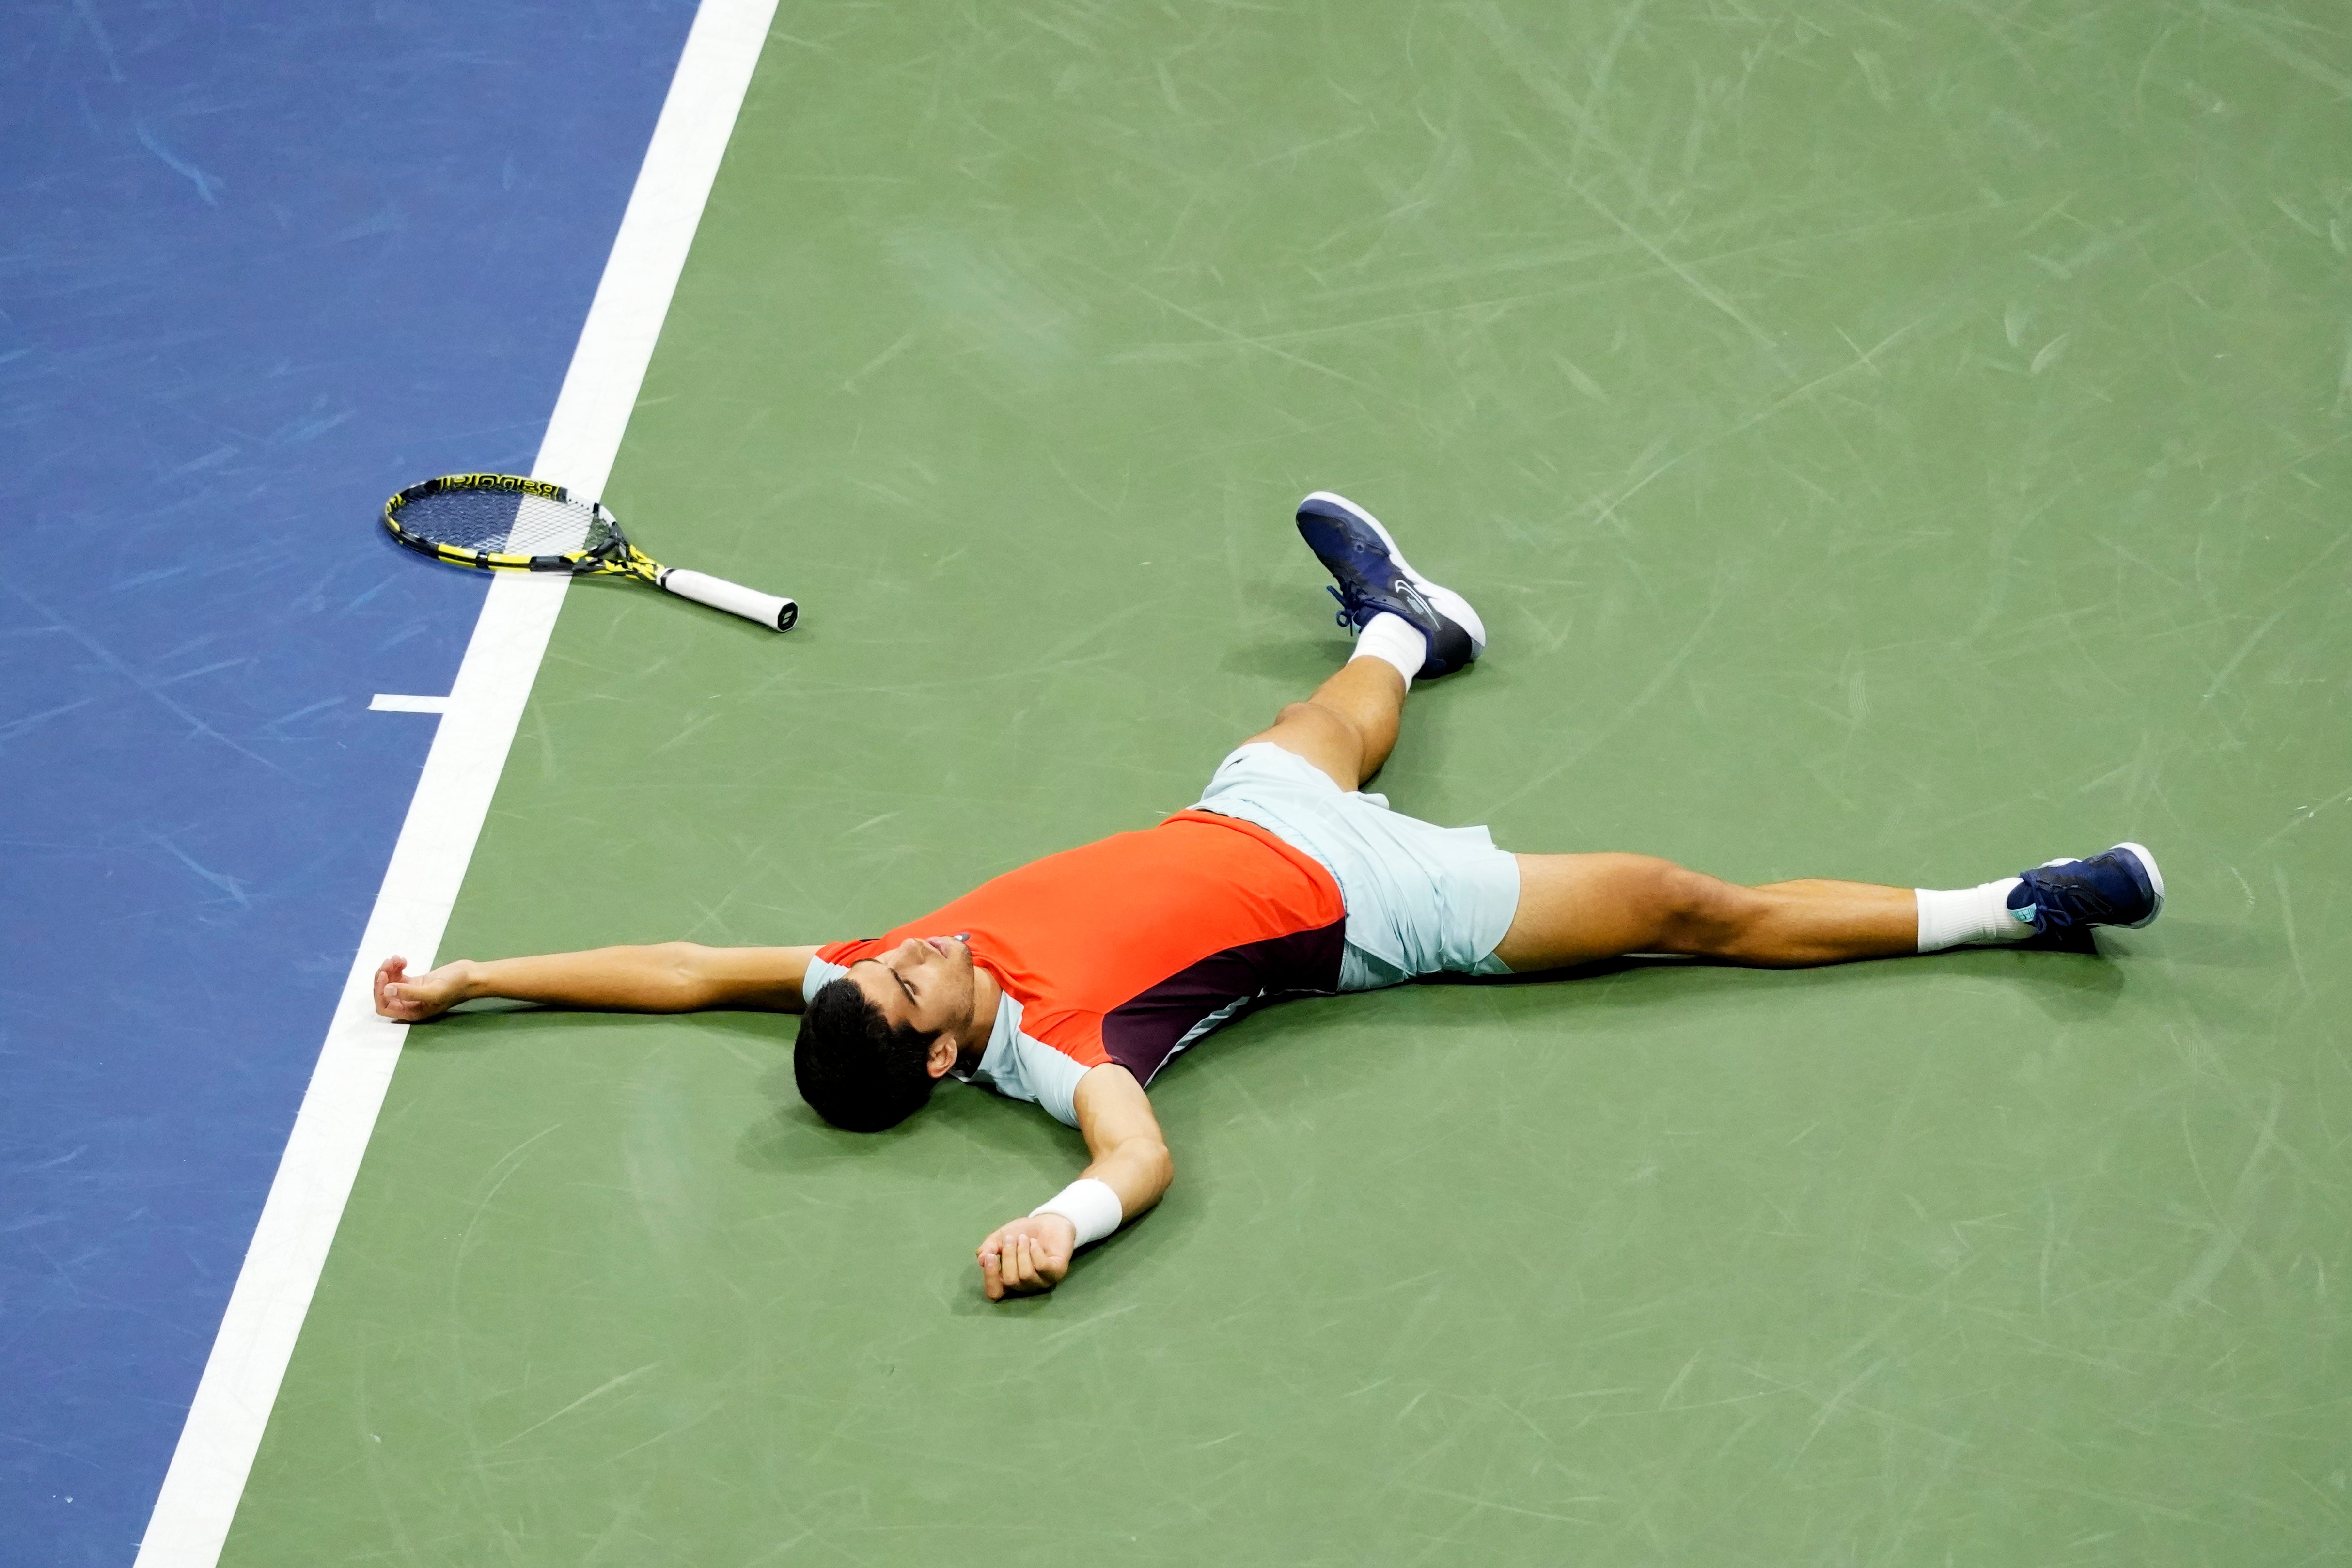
[412, 999]
[1026, 1256]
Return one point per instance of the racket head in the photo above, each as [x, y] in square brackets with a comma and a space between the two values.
[503, 522]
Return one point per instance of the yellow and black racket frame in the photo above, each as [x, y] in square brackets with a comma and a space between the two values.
[615, 554]
[611, 556]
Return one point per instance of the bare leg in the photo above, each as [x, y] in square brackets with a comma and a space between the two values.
[1579, 909]
[1348, 726]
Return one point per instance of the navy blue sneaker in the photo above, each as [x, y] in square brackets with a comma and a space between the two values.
[2121, 887]
[1374, 576]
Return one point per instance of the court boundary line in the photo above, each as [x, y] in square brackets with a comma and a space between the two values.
[198, 1500]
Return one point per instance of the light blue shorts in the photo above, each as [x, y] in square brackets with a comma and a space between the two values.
[1421, 898]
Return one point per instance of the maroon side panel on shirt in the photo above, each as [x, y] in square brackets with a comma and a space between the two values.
[1142, 1033]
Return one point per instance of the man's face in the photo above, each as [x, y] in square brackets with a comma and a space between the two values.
[926, 982]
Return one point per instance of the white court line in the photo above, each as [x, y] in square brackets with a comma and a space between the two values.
[393, 702]
[215, 1456]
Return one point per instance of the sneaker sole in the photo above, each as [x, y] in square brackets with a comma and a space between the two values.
[1454, 605]
[2155, 881]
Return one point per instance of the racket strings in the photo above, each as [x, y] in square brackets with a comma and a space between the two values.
[505, 522]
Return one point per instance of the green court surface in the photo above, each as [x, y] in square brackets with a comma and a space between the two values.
[1893, 442]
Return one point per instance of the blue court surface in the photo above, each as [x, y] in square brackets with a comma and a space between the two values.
[263, 264]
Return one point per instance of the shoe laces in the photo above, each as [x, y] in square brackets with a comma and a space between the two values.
[1352, 606]
[2073, 891]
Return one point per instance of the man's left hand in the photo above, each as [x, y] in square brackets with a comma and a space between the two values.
[1026, 1256]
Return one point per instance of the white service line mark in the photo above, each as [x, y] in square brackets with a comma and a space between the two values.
[393, 702]
[249, 1356]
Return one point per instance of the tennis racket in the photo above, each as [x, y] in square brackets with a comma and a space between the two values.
[498, 522]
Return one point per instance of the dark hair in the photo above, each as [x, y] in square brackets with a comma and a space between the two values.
[853, 1068]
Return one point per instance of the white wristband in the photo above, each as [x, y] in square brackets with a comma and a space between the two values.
[1087, 1204]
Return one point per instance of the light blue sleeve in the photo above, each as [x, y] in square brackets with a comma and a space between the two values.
[1053, 1078]
[1021, 1067]
[819, 973]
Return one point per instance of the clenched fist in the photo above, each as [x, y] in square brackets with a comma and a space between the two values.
[412, 999]
[1027, 1256]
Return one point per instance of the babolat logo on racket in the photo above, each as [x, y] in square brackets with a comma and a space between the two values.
[504, 482]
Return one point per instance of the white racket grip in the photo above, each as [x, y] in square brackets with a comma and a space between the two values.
[776, 615]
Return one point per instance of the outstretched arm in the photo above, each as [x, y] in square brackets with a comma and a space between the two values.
[670, 977]
[1131, 1158]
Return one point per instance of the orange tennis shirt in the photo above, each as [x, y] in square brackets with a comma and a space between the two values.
[1129, 948]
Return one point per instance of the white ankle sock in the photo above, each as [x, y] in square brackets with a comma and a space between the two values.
[1961, 916]
[1394, 641]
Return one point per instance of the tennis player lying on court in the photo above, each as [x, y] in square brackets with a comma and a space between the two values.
[1074, 980]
